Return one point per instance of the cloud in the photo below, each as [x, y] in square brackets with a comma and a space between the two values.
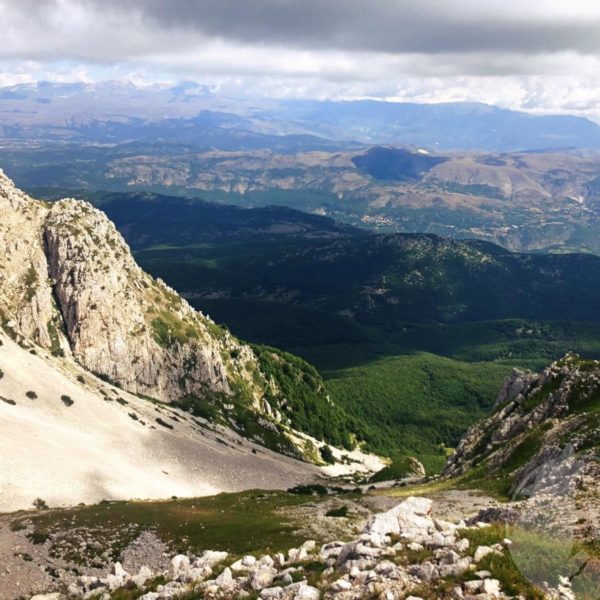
[391, 26]
[106, 29]
[537, 55]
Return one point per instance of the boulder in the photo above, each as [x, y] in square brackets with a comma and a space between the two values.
[410, 519]
[491, 587]
[341, 585]
[212, 557]
[180, 566]
[118, 578]
[297, 554]
[458, 568]
[142, 576]
[225, 579]
[425, 571]
[262, 578]
[482, 552]
[307, 592]
[272, 593]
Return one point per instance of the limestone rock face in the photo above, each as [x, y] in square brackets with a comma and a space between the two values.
[120, 322]
[541, 443]
[26, 304]
[529, 403]
[70, 287]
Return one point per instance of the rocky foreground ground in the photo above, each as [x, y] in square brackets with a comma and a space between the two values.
[405, 552]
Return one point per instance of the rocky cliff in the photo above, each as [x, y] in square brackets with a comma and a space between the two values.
[540, 447]
[70, 286]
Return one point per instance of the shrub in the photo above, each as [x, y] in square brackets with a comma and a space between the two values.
[38, 537]
[313, 489]
[67, 401]
[342, 511]
[327, 454]
[40, 504]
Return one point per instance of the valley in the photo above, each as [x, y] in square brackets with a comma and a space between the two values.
[413, 334]
[100, 359]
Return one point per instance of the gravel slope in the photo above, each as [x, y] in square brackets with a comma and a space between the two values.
[104, 448]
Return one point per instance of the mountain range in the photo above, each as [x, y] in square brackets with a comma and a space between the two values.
[116, 112]
[413, 333]
[524, 201]
[356, 302]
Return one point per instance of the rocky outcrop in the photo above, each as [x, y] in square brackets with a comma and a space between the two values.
[70, 285]
[26, 303]
[536, 416]
[120, 322]
[540, 448]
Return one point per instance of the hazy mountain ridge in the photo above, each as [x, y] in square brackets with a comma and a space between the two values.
[118, 111]
[525, 201]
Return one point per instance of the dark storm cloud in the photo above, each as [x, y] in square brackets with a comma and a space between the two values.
[392, 26]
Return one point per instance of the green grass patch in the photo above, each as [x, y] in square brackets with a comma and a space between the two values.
[31, 279]
[534, 400]
[303, 398]
[167, 330]
[534, 558]
[499, 483]
[342, 511]
[251, 522]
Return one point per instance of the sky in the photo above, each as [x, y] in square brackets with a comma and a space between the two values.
[537, 55]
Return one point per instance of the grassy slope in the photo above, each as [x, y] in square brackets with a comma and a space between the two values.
[416, 391]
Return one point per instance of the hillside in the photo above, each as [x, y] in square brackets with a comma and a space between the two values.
[542, 424]
[73, 296]
[455, 543]
[279, 254]
[99, 442]
[524, 201]
[387, 280]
